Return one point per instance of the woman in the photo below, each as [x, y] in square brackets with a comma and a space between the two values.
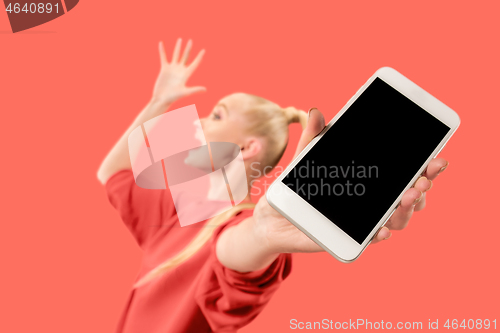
[217, 275]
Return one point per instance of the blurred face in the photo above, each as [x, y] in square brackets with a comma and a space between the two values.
[227, 122]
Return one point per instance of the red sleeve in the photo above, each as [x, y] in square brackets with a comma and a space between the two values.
[229, 299]
[143, 211]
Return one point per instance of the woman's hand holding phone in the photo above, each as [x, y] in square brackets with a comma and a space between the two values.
[281, 236]
[257, 241]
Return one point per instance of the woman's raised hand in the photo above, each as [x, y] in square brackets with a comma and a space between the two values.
[279, 235]
[171, 82]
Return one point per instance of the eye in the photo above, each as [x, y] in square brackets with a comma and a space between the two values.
[216, 115]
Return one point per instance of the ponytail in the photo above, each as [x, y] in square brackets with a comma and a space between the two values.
[294, 115]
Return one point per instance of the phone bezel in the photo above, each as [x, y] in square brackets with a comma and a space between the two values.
[309, 220]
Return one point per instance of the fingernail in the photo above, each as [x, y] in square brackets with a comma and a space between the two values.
[388, 236]
[418, 180]
[417, 200]
[430, 186]
[443, 168]
[309, 112]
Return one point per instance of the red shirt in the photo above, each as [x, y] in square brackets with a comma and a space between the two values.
[200, 295]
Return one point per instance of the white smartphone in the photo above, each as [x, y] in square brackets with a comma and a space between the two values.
[344, 186]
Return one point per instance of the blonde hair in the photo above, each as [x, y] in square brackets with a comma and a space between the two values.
[267, 120]
[270, 121]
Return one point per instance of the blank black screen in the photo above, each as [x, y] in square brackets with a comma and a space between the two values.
[365, 160]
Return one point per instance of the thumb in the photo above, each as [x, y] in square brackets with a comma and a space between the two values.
[315, 125]
[193, 90]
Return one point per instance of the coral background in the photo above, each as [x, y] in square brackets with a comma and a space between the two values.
[70, 88]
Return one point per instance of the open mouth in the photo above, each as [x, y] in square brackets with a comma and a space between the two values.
[199, 135]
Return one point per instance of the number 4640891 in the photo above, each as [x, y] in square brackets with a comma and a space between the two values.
[471, 324]
[33, 8]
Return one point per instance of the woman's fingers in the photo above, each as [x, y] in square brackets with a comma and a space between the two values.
[423, 185]
[163, 56]
[413, 200]
[192, 66]
[193, 90]
[382, 234]
[177, 51]
[315, 125]
[421, 204]
[435, 167]
[185, 55]
[399, 220]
